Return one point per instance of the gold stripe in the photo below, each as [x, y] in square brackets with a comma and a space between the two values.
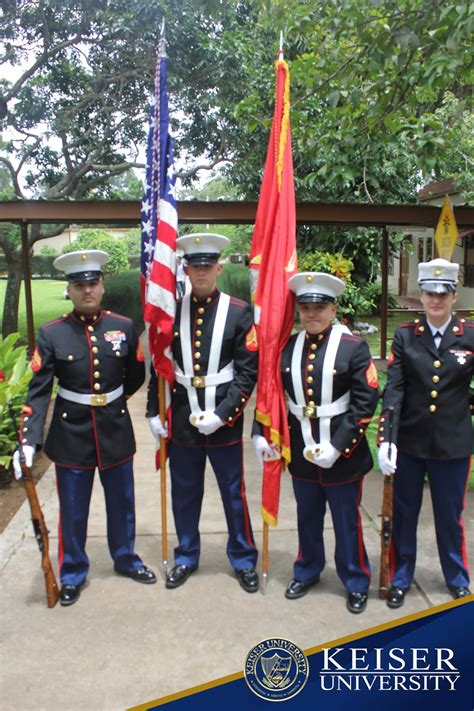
[284, 122]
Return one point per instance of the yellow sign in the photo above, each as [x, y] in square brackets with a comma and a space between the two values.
[446, 231]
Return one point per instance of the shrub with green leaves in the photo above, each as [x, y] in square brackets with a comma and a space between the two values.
[234, 280]
[15, 374]
[100, 239]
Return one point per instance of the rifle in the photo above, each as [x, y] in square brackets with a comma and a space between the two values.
[39, 525]
[386, 528]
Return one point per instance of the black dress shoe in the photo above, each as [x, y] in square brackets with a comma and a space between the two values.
[178, 575]
[69, 594]
[248, 579]
[143, 575]
[395, 597]
[297, 589]
[356, 602]
[457, 593]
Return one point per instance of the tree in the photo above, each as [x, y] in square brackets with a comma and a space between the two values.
[117, 261]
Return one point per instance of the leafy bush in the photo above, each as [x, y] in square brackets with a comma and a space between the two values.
[15, 375]
[234, 280]
[122, 295]
[373, 293]
[117, 262]
[353, 303]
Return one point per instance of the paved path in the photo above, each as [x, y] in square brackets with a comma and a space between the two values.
[124, 644]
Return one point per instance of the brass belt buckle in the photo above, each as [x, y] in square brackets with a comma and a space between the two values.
[199, 381]
[98, 400]
[309, 411]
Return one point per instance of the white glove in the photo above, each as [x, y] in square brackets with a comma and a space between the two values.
[29, 453]
[326, 456]
[387, 464]
[157, 428]
[208, 422]
[265, 452]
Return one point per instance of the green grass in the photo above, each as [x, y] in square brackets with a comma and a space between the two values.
[48, 303]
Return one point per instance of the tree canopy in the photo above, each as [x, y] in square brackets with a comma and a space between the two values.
[380, 93]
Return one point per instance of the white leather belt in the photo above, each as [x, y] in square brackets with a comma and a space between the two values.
[92, 399]
[330, 410]
[204, 381]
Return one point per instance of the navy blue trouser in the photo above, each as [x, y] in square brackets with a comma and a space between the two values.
[74, 491]
[448, 481]
[187, 466]
[352, 564]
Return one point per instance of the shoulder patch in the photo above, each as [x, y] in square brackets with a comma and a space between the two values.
[251, 340]
[371, 375]
[140, 353]
[238, 302]
[391, 358]
[36, 361]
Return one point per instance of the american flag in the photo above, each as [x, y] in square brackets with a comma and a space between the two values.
[159, 226]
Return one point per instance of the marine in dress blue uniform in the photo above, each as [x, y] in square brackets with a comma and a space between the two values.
[97, 359]
[331, 383]
[215, 360]
[430, 370]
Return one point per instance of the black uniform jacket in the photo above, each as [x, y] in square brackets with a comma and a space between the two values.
[87, 355]
[354, 371]
[239, 344]
[429, 391]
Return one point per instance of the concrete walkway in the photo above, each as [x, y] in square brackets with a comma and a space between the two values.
[124, 644]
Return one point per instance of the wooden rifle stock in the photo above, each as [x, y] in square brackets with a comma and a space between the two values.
[386, 528]
[39, 528]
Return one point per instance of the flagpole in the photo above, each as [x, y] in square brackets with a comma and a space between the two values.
[163, 446]
[265, 563]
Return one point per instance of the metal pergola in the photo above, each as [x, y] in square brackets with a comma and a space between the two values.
[127, 212]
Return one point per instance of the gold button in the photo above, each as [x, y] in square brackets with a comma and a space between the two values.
[197, 367]
[242, 399]
[94, 318]
[435, 378]
[310, 367]
[176, 333]
[437, 364]
[25, 429]
[25, 419]
[174, 390]
[421, 329]
[199, 321]
[320, 337]
[93, 339]
[236, 409]
[96, 374]
[313, 346]
[201, 310]
[310, 379]
[230, 418]
[95, 349]
[312, 356]
[198, 333]
[24, 441]
[64, 415]
[381, 429]
[118, 354]
[434, 394]
[197, 355]
[208, 300]
[310, 391]
[96, 361]
[463, 320]
[83, 318]
[347, 450]
[311, 403]
[354, 441]
[456, 329]
[96, 386]
[197, 344]
[70, 357]
[287, 370]
[382, 419]
[417, 320]
[122, 412]
[90, 328]
[432, 408]
[381, 439]
[361, 430]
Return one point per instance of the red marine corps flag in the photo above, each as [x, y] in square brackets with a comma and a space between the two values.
[273, 261]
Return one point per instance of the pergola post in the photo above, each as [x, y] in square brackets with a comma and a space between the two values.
[25, 253]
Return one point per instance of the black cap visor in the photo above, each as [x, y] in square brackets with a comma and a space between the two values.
[84, 276]
[437, 286]
[315, 299]
[202, 258]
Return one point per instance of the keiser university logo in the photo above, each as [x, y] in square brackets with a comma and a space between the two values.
[388, 669]
[276, 669]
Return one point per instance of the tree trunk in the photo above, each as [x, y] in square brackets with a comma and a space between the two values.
[12, 293]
